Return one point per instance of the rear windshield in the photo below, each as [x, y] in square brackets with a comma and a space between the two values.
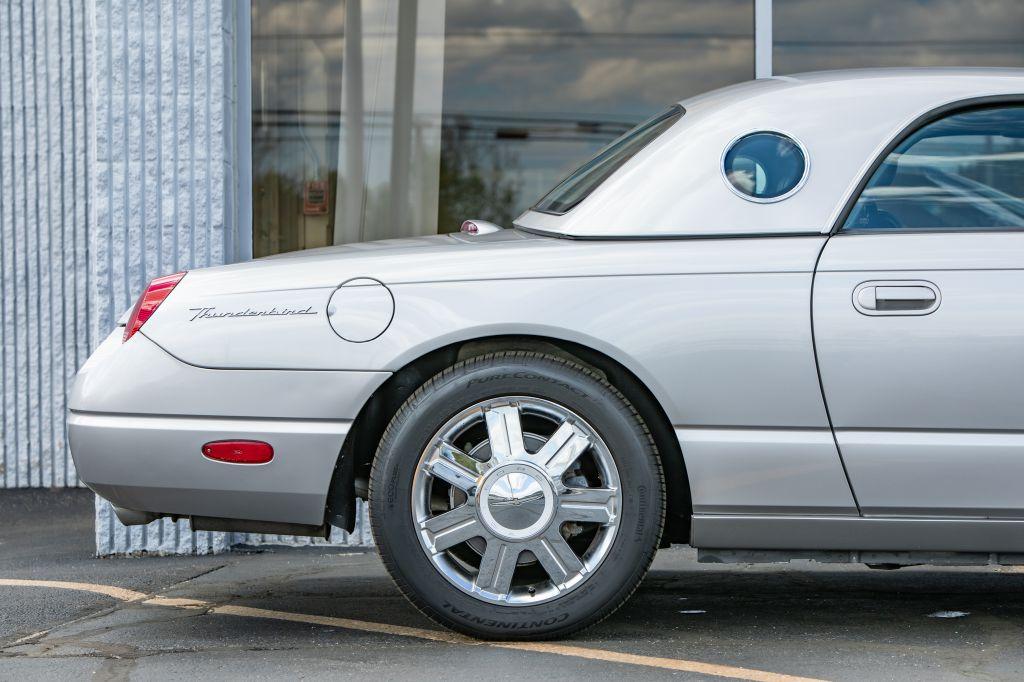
[587, 177]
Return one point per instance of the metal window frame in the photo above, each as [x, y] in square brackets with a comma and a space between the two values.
[241, 248]
[763, 44]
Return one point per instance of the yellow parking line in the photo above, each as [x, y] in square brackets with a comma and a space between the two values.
[675, 664]
[177, 602]
[109, 590]
[682, 665]
[347, 623]
[26, 638]
[538, 647]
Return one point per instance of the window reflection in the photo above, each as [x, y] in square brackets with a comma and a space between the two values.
[811, 35]
[391, 118]
[533, 88]
[764, 165]
[962, 172]
[596, 170]
[297, 56]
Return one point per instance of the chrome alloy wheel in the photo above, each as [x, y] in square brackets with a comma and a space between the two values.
[516, 500]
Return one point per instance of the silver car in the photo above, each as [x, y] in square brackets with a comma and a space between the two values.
[783, 319]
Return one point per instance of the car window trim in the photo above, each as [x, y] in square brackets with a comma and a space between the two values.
[667, 237]
[676, 111]
[949, 109]
[766, 200]
[929, 230]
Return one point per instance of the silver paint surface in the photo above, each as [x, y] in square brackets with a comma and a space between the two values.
[925, 408]
[674, 186]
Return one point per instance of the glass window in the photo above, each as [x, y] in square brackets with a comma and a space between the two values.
[392, 118]
[764, 166]
[346, 120]
[533, 88]
[587, 177]
[295, 92]
[811, 35]
[965, 171]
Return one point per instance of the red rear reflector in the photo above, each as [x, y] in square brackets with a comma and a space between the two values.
[159, 289]
[239, 451]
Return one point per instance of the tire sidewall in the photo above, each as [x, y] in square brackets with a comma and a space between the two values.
[583, 393]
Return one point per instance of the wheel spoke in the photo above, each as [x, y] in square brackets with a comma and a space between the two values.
[450, 465]
[452, 527]
[460, 457]
[564, 447]
[505, 434]
[507, 478]
[497, 566]
[593, 505]
[556, 556]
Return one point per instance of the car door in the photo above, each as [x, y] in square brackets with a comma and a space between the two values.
[918, 318]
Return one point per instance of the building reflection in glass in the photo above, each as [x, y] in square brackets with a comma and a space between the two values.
[811, 35]
[393, 118]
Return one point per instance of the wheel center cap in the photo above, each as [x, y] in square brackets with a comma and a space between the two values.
[516, 501]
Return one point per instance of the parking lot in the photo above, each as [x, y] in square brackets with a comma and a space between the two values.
[277, 612]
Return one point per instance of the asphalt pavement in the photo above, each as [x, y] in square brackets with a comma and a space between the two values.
[311, 612]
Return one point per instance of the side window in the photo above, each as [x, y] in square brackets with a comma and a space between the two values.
[965, 171]
[765, 166]
[585, 179]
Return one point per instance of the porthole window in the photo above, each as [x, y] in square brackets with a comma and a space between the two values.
[765, 166]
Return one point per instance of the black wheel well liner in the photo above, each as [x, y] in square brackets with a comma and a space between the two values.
[351, 474]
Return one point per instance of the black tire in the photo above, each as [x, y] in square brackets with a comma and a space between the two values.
[573, 386]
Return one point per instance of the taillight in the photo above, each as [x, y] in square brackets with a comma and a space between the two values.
[159, 289]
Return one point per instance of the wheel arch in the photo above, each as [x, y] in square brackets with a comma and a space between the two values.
[351, 474]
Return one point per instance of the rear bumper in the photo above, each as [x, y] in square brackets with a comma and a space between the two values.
[154, 464]
[138, 418]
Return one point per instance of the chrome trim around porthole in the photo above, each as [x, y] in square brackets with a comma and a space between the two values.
[765, 200]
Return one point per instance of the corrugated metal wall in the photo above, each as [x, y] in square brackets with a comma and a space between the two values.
[161, 181]
[45, 172]
[117, 131]
[163, 187]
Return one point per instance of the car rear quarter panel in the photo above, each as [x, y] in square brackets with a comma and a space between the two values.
[718, 330]
[138, 420]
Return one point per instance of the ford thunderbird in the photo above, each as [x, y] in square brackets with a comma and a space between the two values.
[780, 320]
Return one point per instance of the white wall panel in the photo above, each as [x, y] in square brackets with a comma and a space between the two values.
[163, 188]
[117, 165]
[158, 182]
[45, 306]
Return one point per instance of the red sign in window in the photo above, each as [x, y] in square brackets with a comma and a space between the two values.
[315, 198]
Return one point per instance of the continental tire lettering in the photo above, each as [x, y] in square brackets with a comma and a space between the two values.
[527, 376]
[643, 503]
[392, 488]
[501, 624]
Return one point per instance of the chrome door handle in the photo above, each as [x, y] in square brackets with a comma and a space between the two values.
[896, 297]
